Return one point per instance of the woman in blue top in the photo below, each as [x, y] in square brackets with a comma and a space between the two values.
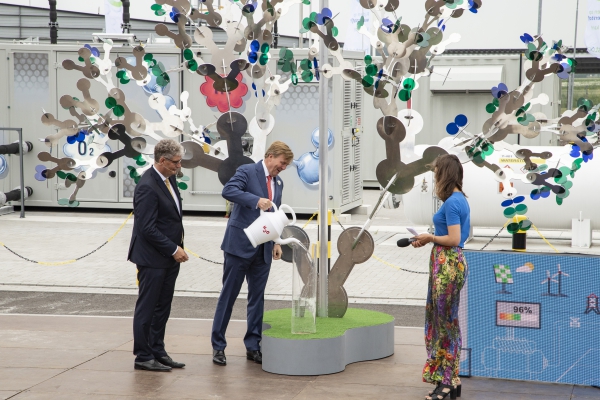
[447, 273]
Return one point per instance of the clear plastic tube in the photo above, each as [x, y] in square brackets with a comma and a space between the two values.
[304, 291]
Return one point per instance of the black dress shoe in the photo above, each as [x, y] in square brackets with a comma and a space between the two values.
[151, 365]
[219, 357]
[254, 355]
[166, 360]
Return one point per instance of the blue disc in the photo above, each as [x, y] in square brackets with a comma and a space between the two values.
[452, 128]
[461, 120]
[253, 57]
[254, 45]
[506, 203]
[71, 139]
[519, 199]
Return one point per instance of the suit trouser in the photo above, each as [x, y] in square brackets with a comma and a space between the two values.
[235, 269]
[152, 311]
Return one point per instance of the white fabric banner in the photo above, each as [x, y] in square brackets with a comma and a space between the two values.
[113, 16]
[592, 29]
[354, 40]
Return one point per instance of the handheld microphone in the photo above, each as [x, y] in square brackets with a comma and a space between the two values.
[405, 242]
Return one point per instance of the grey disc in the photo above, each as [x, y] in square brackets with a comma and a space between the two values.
[294, 231]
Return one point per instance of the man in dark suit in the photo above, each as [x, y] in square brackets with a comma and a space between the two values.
[157, 250]
[254, 187]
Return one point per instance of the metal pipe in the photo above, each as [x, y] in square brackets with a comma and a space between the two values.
[126, 26]
[301, 18]
[323, 295]
[539, 32]
[52, 24]
[572, 76]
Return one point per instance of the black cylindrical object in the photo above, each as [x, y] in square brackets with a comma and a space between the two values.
[519, 241]
[13, 148]
[126, 26]
[53, 25]
[14, 195]
[275, 35]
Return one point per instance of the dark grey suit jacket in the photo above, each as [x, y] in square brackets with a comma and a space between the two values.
[158, 227]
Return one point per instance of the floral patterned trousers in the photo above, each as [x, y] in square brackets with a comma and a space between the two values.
[447, 274]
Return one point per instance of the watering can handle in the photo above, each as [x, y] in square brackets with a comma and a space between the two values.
[290, 211]
[275, 207]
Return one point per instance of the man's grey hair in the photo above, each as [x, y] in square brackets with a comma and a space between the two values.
[167, 148]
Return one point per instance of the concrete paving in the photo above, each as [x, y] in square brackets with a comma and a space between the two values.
[391, 276]
[76, 357]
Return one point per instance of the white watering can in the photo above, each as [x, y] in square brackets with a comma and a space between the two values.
[269, 226]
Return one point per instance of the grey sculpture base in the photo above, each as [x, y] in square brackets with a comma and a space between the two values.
[326, 356]
[7, 210]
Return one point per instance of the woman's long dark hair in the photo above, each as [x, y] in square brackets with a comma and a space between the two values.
[448, 175]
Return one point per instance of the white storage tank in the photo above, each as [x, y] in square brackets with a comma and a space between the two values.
[485, 198]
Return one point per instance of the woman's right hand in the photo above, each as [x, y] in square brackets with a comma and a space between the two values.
[422, 239]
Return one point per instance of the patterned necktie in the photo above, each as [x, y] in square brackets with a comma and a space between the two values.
[269, 187]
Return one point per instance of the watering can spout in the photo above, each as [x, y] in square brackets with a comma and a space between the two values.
[288, 241]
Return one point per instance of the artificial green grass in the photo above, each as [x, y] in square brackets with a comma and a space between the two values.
[281, 323]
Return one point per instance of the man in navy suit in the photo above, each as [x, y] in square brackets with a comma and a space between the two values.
[157, 250]
[254, 187]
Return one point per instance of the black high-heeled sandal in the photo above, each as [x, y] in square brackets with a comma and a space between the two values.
[431, 392]
[440, 393]
[458, 389]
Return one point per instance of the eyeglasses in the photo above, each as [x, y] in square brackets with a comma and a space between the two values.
[178, 162]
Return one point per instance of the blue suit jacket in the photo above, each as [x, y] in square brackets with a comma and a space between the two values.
[244, 189]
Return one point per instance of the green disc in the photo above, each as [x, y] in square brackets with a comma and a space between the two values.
[110, 102]
[334, 31]
[509, 212]
[185, 178]
[263, 59]
[368, 59]
[305, 64]
[73, 203]
[188, 54]
[118, 110]
[148, 57]
[160, 12]
[141, 163]
[192, 65]
[163, 80]
[63, 202]
[496, 102]
[404, 95]
[568, 185]
[121, 73]
[294, 79]
[525, 225]
[137, 179]
[264, 48]
[512, 228]
[71, 177]
[307, 76]
[490, 108]
[521, 209]
[156, 71]
[371, 70]
[408, 83]
[367, 81]
[488, 149]
[182, 185]
[61, 174]
[559, 201]
[155, 7]
[564, 195]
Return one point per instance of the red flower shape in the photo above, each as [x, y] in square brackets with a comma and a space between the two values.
[214, 98]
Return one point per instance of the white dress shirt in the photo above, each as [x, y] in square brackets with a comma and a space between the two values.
[172, 194]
